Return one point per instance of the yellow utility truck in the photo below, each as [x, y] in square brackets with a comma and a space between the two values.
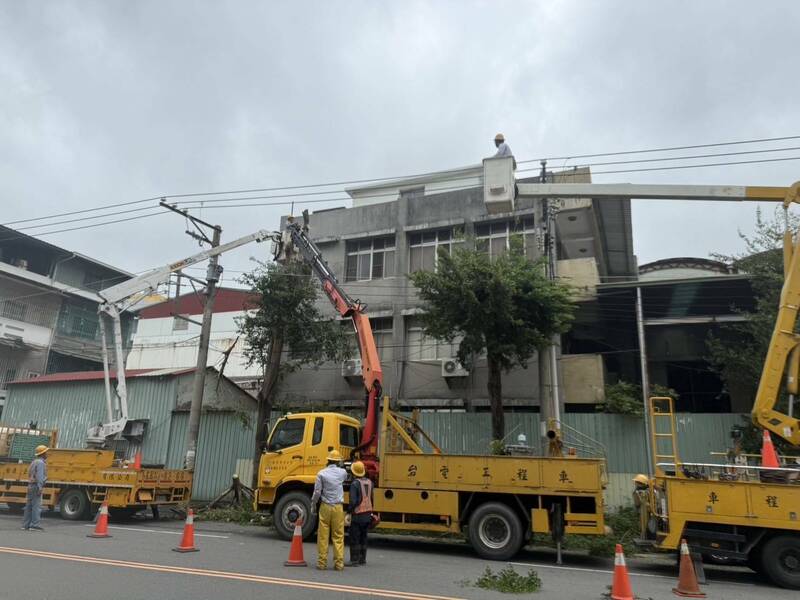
[734, 510]
[79, 480]
[498, 501]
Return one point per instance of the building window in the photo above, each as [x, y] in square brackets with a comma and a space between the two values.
[494, 238]
[78, 321]
[423, 347]
[370, 259]
[424, 249]
[11, 309]
[381, 333]
[179, 323]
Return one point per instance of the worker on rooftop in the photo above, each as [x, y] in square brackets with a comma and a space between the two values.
[503, 149]
[37, 475]
[329, 491]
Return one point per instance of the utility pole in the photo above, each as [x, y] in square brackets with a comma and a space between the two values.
[212, 277]
[645, 378]
[548, 370]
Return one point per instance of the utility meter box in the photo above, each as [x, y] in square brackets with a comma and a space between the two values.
[499, 186]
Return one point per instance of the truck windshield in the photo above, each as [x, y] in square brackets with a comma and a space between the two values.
[288, 432]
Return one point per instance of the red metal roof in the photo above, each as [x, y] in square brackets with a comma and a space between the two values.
[97, 375]
[227, 300]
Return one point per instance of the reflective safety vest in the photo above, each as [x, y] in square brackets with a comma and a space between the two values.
[365, 506]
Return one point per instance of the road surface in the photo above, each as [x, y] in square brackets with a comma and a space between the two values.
[247, 563]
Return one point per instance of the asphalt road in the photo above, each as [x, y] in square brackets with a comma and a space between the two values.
[247, 563]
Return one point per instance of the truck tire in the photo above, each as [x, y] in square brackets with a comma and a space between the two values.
[73, 505]
[780, 560]
[495, 531]
[288, 509]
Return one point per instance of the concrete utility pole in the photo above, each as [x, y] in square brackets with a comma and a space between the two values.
[212, 277]
[198, 385]
[548, 365]
[645, 378]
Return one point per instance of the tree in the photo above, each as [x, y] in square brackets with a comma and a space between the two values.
[284, 313]
[506, 308]
[737, 350]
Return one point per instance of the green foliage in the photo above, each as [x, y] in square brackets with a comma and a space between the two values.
[625, 398]
[624, 524]
[737, 351]
[497, 447]
[509, 581]
[505, 307]
[751, 438]
[285, 302]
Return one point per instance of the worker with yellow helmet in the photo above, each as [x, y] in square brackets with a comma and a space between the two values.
[640, 488]
[329, 492]
[360, 509]
[37, 476]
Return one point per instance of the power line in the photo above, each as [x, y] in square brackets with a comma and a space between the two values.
[399, 177]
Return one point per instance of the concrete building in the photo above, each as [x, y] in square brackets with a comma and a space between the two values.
[683, 300]
[168, 332]
[395, 228]
[48, 308]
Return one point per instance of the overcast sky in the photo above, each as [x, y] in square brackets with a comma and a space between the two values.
[114, 101]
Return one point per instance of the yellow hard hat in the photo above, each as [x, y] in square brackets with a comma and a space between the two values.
[641, 479]
[334, 456]
[499, 138]
[358, 469]
[40, 449]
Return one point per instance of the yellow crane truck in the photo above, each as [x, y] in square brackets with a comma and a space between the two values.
[498, 501]
[80, 480]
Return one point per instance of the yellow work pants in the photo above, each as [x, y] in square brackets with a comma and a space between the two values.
[331, 525]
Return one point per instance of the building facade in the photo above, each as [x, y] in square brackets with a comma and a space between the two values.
[48, 308]
[396, 228]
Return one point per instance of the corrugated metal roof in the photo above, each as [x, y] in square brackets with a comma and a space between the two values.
[97, 375]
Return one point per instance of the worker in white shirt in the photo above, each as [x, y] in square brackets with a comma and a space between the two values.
[503, 149]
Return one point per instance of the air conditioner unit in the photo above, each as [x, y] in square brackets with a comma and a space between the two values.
[351, 368]
[452, 368]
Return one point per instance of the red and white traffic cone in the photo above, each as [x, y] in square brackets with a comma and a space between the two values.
[101, 529]
[296, 551]
[187, 542]
[687, 579]
[621, 584]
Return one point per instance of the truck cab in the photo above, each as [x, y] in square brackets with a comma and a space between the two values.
[297, 448]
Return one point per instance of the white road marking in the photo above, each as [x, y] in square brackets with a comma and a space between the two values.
[208, 535]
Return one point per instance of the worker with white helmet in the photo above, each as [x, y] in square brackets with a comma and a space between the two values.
[329, 492]
[503, 149]
[37, 476]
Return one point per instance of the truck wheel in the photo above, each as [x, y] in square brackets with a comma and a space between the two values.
[780, 560]
[293, 506]
[73, 505]
[495, 531]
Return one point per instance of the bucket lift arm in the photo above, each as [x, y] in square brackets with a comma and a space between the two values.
[112, 301]
[295, 239]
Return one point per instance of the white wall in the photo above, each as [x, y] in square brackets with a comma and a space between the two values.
[157, 346]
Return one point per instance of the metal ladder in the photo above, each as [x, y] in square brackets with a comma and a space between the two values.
[663, 435]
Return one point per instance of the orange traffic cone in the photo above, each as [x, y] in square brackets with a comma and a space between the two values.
[296, 551]
[769, 458]
[101, 529]
[137, 462]
[187, 542]
[687, 579]
[621, 585]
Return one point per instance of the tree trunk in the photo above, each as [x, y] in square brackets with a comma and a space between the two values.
[265, 397]
[496, 399]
